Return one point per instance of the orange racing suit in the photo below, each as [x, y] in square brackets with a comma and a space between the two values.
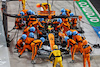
[27, 45]
[18, 22]
[86, 55]
[72, 30]
[79, 40]
[74, 22]
[36, 44]
[55, 23]
[65, 25]
[35, 24]
[31, 20]
[25, 11]
[68, 12]
[19, 44]
[26, 31]
[74, 46]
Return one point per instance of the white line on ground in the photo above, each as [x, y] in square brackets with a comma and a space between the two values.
[93, 8]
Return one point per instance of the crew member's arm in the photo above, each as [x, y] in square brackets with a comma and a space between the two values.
[43, 6]
[68, 13]
[50, 56]
[38, 31]
[40, 44]
[74, 38]
[67, 44]
[40, 25]
[90, 49]
[35, 23]
[19, 43]
[43, 22]
[60, 25]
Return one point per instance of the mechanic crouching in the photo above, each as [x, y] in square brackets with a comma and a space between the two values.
[28, 41]
[19, 44]
[35, 45]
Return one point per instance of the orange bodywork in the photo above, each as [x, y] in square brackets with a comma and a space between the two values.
[35, 46]
[86, 56]
[51, 40]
